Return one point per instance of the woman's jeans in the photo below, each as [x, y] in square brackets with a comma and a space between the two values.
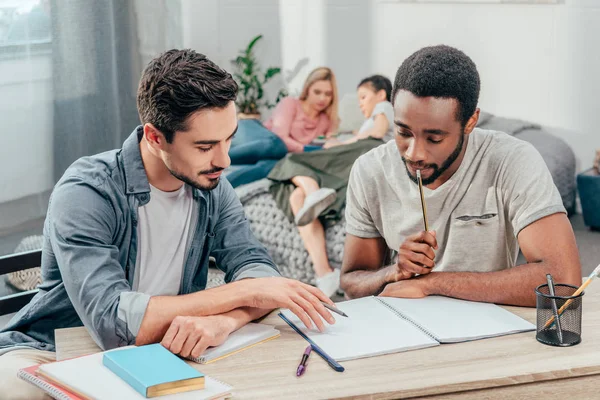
[254, 152]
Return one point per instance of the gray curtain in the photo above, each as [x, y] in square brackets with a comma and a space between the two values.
[96, 68]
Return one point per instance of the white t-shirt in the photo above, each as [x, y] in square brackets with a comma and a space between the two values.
[386, 108]
[501, 186]
[163, 231]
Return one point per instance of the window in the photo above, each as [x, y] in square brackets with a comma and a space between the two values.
[24, 26]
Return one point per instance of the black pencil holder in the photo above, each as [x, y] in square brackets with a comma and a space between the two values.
[569, 318]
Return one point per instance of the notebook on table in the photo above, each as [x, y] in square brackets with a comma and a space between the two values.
[87, 378]
[247, 336]
[384, 325]
[152, 370]
[30, 375]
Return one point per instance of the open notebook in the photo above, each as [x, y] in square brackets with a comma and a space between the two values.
[247, 336]
[384, 325]
[87, 378]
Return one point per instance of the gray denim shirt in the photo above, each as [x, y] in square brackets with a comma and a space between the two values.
[90, 246]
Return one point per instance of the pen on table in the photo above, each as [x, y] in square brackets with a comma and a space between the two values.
[423, 205]
[302, 365]
[554, 309]
[332, 363]
[585, 284]
[334, 309]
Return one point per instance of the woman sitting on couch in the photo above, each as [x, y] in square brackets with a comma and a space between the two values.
[293, 125]
[314, 184]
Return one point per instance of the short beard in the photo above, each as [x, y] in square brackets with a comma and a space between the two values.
[213, 182]
[438, 171]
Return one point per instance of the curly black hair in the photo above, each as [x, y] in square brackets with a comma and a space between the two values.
[178, 83]
[378, 82]
[444, 72]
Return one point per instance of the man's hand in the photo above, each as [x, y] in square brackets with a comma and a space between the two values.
[415, 256]
[301, 299]
[409, 289]
[191, 336]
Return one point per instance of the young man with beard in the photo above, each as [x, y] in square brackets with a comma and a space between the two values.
[129, 232]
[487, 194]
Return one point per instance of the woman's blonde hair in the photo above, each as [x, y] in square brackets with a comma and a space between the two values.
[323, 74]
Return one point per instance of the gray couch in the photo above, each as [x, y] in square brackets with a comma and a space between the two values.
[283, 241]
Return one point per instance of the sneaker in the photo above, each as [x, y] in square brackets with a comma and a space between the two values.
[314, 204]
[330, 283]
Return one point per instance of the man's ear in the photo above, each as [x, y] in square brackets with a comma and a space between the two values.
[472, 122]
[153, 136]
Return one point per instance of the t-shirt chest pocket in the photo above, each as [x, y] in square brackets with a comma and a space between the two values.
[474, 241]
[479, 230]
[485, 219]
[479, 214]
[476, 238]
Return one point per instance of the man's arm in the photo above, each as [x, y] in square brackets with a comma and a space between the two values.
[191, 336]
[362, 273]
[364, 249]
[261, 293]
[549, 247]
[81, 225]
[162, 310]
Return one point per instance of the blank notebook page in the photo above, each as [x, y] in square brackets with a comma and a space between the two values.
[452, 320]
[371, 329]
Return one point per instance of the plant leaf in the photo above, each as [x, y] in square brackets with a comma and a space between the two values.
[252, 43]
[258, 86]
[271, 72]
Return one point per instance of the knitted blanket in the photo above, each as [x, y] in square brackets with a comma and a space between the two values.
[281, 237]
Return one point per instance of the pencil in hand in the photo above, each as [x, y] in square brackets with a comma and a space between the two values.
[423, 205]
[334, 309]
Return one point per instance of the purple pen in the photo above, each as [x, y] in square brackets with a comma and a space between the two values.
[302, 366]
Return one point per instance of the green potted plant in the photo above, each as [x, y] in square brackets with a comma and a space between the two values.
[251, 80]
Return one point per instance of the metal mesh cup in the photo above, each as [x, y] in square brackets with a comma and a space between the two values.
[569, 311]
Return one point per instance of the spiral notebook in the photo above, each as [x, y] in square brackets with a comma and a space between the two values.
[29, 374]
[86, 378]
[384, 325]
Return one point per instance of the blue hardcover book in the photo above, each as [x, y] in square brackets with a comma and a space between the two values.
[153, 370]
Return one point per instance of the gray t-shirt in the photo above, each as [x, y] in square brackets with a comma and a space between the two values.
[501, 186]
[385, 108]
[165, 224]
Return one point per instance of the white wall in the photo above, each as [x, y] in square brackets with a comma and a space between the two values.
[26, 157]
[297, 36]
[348, 36]
[537, 62]
[303, 47]
[221, 28]
[332, 33]
[159, 27]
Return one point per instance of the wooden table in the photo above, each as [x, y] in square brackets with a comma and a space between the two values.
[508, 367]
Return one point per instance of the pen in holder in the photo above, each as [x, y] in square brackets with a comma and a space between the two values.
[567, 306]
